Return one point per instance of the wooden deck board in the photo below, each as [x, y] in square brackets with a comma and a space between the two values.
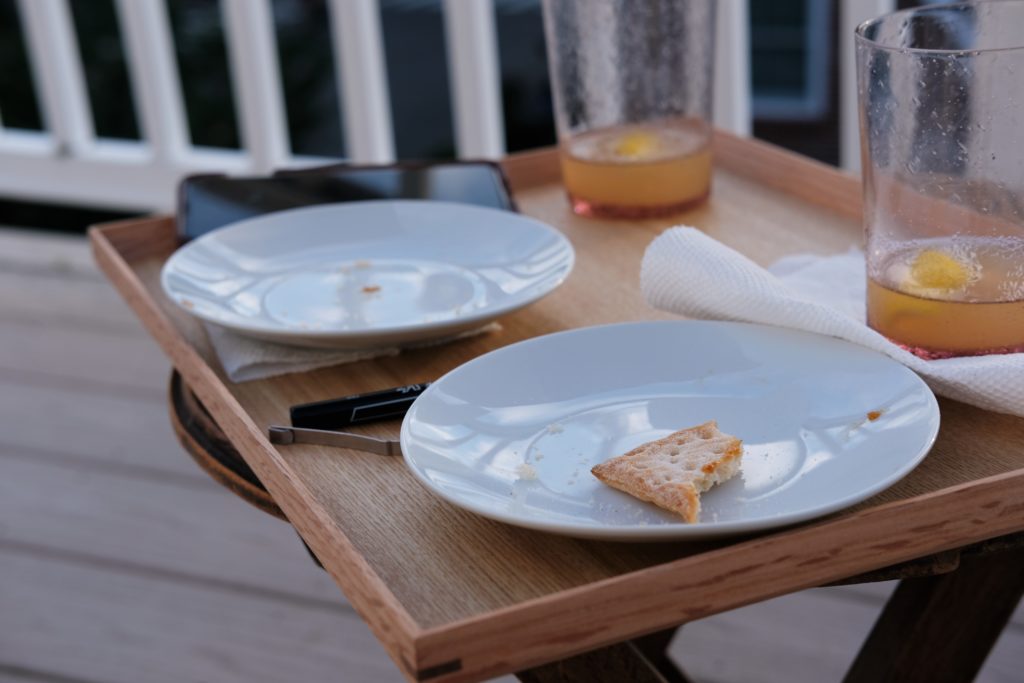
[56, 253]
[81, 358]
[100, 623]
[103, 428]
[197, 534]
[121, 561]
[52, 299]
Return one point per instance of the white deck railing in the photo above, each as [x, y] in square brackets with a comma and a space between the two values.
[68, 163]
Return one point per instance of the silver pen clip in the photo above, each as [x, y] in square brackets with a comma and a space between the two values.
[284, 436]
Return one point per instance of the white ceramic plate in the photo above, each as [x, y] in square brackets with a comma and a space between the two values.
[512, 435]
[363, 274]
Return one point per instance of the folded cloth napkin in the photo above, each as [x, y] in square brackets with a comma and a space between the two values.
[245, 359]
[686, 272]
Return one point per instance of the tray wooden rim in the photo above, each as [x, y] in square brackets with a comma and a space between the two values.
[631, 604]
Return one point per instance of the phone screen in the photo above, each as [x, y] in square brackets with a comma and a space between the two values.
[210, 202]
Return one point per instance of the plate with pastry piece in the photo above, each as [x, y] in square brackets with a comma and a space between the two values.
[669, 430]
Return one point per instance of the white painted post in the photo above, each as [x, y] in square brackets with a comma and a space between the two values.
[256, 79]
[852, 14]
[362, 80]
[472, 42]
[154, 74]
[731, 103]
[57, 68]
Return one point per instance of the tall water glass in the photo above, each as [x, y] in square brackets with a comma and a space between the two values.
[942, 131]
[632, 88]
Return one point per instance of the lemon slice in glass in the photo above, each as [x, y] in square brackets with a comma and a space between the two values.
[934, 269]
[636, 145]
[936, 274]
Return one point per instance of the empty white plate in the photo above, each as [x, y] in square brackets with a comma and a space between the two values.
[364, 274]
[512, 435]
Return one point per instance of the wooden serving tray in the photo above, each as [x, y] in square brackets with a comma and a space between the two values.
[455, 597]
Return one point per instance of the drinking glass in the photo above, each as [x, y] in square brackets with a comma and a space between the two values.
[632, 91]
[941, 95]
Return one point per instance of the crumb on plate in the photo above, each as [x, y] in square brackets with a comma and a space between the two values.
[526, 471]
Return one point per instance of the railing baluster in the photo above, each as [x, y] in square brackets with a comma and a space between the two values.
[732, 67]
[475, 78]
[362, 78]
[57, 69]
[256, 78]
[852, 14]
[154, 75]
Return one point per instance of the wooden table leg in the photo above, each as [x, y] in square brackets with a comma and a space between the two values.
[655, 648]
[643, 660]
[613, 664]
[941, 628]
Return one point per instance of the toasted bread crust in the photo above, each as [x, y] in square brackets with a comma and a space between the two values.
[673, 471]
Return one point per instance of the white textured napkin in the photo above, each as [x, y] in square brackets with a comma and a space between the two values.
[245, 359]
[686, 272]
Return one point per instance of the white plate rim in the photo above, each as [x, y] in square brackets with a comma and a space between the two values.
[682, 531]
[477, 317]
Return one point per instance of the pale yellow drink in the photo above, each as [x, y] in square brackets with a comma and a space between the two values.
[951, 297]
[638, 170]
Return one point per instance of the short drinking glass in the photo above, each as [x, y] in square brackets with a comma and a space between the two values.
[942, 131]
[632, 90]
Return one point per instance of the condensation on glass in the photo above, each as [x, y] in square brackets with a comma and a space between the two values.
[942, 131]
[632, 92]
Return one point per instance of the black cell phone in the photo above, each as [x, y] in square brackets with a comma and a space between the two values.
[208, 202]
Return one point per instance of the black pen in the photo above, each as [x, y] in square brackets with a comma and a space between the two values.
[359, 409]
